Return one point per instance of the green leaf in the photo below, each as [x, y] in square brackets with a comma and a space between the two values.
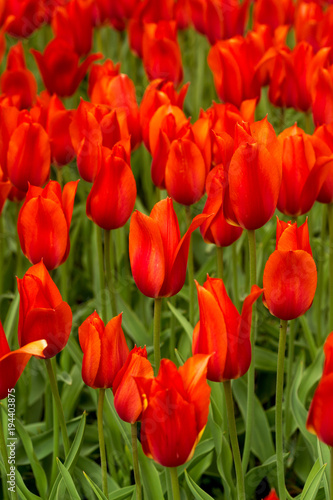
[324, 458]
[224, 459]
[98, 492]
[68, 481]
[262, 443]
[132, 325]
[197, 492]
[256, 475]
[313, 482]
[123, 493]
[39, 473]
[182, 320]
[150, 477]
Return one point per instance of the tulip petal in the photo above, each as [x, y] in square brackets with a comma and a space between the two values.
[319, 420]
[314, 183]
[328, 350]
[4, 347]
[90, 333]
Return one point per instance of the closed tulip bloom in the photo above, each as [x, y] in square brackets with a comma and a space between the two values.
[319, 420]
[59, 67]
[112, 196]
[127, 400]
[44, 221]
[172, 399]
[104, 350]
[217, 230]
[274, 13]
[12, 363]
[223, 332]
[290, 274]
[42, 314]
[272, 496]
[158, 255]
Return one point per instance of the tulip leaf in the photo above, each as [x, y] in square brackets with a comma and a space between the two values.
[224, 459]
[262, 443]
[39, 473]
[98, 492]
[197, 492]
[133, 326]
[182, 320]
[68, 481]
[313, 481]
[71, 393]
[324, 458]
[150, 477]
[123, 493]
[257, 474]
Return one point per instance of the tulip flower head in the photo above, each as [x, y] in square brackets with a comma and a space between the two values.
[104, 350]
[272, 496]
[12, 363]
[171, 399]
[42, 314]
[290, 274]
[43, 223]
[158, 255]
[319, 420]
[223, 332]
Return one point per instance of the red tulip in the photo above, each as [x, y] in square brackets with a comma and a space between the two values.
[272, 496]
[216, 229]
[112, 196]
[290, 274]
[104, 350]
[158, 255]
[59, 67]
[254, 176]
[171, 399]
[12, 363]
[319, 420]
[43, 314]
[17, 82]
[273, 13]
[223, 332]
[25, 16]
[9, 116]
[43, 223]
[5, 187]
[127, 400]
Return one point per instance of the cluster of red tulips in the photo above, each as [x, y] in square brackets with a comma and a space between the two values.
[232, 167]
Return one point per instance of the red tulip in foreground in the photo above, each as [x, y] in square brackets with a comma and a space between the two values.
[127, 400]
[158, 255]
[12, 363]
[43, 223]
[104, 350]
[223, 332]
[290, 274]
[43, 314]
[319, 420]
[176, 405]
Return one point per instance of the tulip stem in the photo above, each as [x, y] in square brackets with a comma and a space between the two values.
[174, 483]
[319, 292]
[291, 350]
[235, 275]
[190, 269]
[250, 374]
[101, 440]
[134, 431]
[157, 332]
[57, 402]
[219, 257]
[278, 409]
[101, 271]
[55, 470]
[109, 269]
[330, 226]
[234, 439]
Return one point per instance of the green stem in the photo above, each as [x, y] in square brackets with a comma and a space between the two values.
[250, 374]
[134, 432]
[172, 344]
[157, 332]
[330, 225]
[18, 247]
[278, 409]
[59, 176]
[109, 269]
[57, 401]
[174, 483]
[54, 470]
[190, 269]
[291, 350]
[234, 439]
[2, 254]
[331, 473]
[101, 271]
[102, 451]
[235, 275]
[219, 258]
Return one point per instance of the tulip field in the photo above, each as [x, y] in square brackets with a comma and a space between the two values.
[166, 249]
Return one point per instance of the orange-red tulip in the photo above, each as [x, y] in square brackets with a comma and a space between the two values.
[172, 399]
[104, 350]
[25, 16]
[43, 314]
[223, 332]
[12, 363]
[272, 496]
[127, 400]
[158, 255]
[112, 196]
[273, 13]
[290, 274]
[216, 229]
[5, 187]
[59, 67]
[319, 420]
[43, 223]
